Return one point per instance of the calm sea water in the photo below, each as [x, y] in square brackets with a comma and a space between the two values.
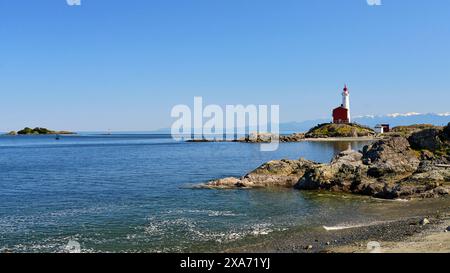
[133, 193]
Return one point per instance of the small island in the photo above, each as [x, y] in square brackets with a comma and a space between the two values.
[39, 131]
[328, 130]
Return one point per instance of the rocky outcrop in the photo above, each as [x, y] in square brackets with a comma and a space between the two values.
[277, 173]
[267, 137]
[296, 137]
[406, 131]
[42, 131]
[389, 168]
[433, 144]
[258, 138]
[328, 130]
[346, 169]
[224, 183]
[390, 157]
[428, 139]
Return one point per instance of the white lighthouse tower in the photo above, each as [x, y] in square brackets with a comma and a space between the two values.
[346, 101]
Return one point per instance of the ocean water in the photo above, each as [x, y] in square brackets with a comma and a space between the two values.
[133, 193]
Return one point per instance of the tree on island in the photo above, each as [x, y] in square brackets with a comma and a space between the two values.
[41, 131]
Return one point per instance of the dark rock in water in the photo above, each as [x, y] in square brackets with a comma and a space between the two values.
[257, 138]
[296, 137]
[267, 137]
[228, 182]
[316, 178]
[428, 139]
[277, 173]
[42, 131]
[339, 175]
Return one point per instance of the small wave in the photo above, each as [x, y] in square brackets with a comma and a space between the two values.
[210, 213]
[27, 223]
[349, 226]
[399, 200]
[48, 245]
[392, 200]
[188, 228]
[341, 227]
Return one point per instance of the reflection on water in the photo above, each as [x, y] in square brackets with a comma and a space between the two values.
[329, 149]
[339, 146]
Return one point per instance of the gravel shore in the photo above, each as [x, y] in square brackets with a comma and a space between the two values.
[406, 235]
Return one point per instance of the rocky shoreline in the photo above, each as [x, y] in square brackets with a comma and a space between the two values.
[434, 237]
[404, 235]
[258, 138]
[322, 132]
[396, 167]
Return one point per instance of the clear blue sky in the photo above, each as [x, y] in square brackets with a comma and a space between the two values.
[122, 65]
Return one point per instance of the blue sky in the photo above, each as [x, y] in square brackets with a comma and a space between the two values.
[122, 65]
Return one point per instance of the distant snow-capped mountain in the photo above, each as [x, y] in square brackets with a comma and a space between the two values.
[398, 119]
[395, 119]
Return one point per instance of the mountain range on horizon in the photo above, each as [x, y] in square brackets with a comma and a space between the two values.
[395, 119]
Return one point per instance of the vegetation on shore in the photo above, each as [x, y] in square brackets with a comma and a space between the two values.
[406, 131]
[39, 131]
[432, 143]
[327, 130]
